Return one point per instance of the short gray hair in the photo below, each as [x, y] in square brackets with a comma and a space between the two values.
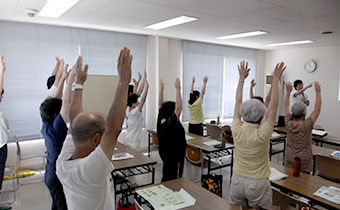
[85, 125]
[298, 110]
[252, 110]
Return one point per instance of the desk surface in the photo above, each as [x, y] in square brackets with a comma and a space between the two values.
[198, 142]
[204, 198]
[304, 185]
[138, 160]
[322, 150]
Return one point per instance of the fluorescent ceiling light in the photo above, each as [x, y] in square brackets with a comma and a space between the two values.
[171, 22]
[290, 43]
[241, 35]
[56, 8]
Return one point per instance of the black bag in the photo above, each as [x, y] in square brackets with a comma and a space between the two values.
[213, 183]
[124, 203]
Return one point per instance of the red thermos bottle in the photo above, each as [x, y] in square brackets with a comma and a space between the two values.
[297, 166]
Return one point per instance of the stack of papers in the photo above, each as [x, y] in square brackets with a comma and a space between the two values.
[274, 135]
[163, 198]
[336, 154]
[122, 156]
[187, 137]
[276, 175]
[211, 143]
[329, 193]
[319, 133]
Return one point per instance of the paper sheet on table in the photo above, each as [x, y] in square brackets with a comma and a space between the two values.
[329, 193]
[187, 137]
[274, 135]
[163, 198]
[319, 132]
[336, 154]
[276, 175]
[211, 143]
[122, 156]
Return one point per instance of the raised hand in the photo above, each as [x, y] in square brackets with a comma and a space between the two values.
[139, 76]
[193, 79]
[58, 60]
[81, 73]
[2, 64]
[205, 79]
[162, 85]
[310, 85]
[317, 86]
[243, 70]
[279, 69]
[145, 75]
[289, 87]
[252, 83]
[178, 84]
[65, 73]
[124, 66]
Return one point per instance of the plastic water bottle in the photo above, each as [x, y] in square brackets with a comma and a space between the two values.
[218, 119]
[223, 140]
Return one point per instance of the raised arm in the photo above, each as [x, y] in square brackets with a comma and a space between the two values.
[141, 87]
[145, 94]
[55, 70]
[2, 72]
[303, 90]
[67, 96]
[115, 118]
[268, 97]
[136, 82]
[252, 85]
[243, 71]
[317, 106]
[205, 80]
[274, 100]
[161, 94]
[192, 85]
[60, 87]
[178, 106]
[77, 98]
[59, 73]
[289, 89]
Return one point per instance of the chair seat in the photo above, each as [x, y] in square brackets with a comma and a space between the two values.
[26, 156]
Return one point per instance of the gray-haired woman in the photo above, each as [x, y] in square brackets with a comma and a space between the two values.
[299, 130]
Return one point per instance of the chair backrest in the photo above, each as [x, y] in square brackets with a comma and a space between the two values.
[227, 131]
[327, 167]
[288, 202]
[155, 139]
[213, 131]
[193, 154]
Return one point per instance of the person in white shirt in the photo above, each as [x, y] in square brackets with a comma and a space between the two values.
[84, 164]
[134, 117]
[53, 82]
[299, 95]
[4, 129]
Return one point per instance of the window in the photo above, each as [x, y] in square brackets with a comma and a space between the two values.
[30, 51]
[219, 63]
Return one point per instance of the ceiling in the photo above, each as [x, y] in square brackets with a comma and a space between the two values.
[286, 20]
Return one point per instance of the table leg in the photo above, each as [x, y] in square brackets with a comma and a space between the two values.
[232, 165]
[153, 175]
[149, 152]
[270, 152]
[209, 160]
[314, 160]
[284, 151]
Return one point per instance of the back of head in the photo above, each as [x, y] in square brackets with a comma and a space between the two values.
[297, 82]
[132, 99]
[49, 109]
[166, 110]
[130, 91]
[194, 96]
[85, 125]
[298, 111]
[50, 81]
[258, 98]
[252, 110]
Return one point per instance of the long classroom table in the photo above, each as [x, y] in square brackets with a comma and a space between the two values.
[305, 186]
[204, 199]
[132, 167]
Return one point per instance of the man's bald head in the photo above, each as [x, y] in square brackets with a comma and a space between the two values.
[85, 125]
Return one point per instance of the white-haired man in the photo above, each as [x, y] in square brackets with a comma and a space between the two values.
[84, 164]
[250, 185]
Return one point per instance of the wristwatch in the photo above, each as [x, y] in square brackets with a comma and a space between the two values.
[77, 86]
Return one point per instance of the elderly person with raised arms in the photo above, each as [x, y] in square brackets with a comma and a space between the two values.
[299, 130]
[84, 164]
[250, 186]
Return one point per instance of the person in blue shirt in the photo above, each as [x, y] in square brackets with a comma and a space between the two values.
[54, 113]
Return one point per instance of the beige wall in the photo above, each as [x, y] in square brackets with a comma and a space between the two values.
[327, 73]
